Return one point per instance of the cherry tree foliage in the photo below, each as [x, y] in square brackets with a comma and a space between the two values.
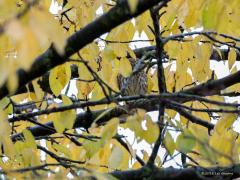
[64, 113]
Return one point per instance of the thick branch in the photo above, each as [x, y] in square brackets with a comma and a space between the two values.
[161, 83]
[214, 56]
[44, 82]
[175, 174]
[85, 119]
[214, 87]
[51, 58]
[209, 88]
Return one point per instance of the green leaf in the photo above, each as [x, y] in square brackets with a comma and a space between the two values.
[185, 143]
[169, 143]
[29, 139]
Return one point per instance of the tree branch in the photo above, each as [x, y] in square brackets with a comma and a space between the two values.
[140, 52]
[171, 173]
[51, 58]
[208, 88]
[161, 83]
[223, 56]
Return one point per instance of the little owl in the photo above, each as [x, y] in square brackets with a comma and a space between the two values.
[134, 84]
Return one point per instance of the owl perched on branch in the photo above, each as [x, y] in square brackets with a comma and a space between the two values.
[134, 84]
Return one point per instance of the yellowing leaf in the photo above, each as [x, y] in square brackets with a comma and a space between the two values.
[225, 122]
[223, 143]
[115, 158]
[210, 15]
[101, 116]
[84, 88]
[67, 117]
[185, 144]
[169, 143]
[59, 77]
[143, 21]
[152, 132]
[12, 82]
[38, 91]
[110, 129]
[97, 93]
[90, 53]
[133, 5]
[29, 139]
[106, 71]
[6, 105]
[125, 67]
[84, 72]
[62, 149]
[48, 28]
[113, 80]
[92, 147]
[58, 125]
[64, 120]
[231, 58]
[5, 131]
[108, 53]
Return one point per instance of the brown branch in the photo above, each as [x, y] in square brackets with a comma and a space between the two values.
[51, 58]
[192, 118]
[214, 56]
[161, 82]
[85, 119]
[212, 87]
[61, 160]
[140, 52]
[171, 173]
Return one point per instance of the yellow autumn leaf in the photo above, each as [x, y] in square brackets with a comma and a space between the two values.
[67, 117]
[38, 91]
[110, 129]
[106, 71]
[62, 149]
[133, 5]
[231, 58]
[29, 139]
[169, 143]
[58, 125]
[5, 104]
[94, 123]
[184, 143]
[152, 132]
[223, 143]
[92, 147]
[12, 82]
[84, 72]
[48, 28]
[97, 93]
[225, 122]
[84, 89]
[59, 77]
[64, 120]
[90, 53]
[125, 67]
[115, 158]
[108, 53]
[113, 80]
